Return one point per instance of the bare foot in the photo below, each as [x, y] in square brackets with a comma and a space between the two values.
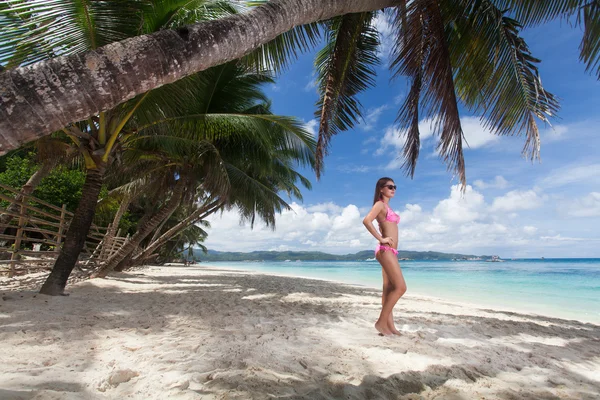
[383, 329]
[392, 327]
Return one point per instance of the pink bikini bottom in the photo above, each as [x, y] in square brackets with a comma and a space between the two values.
[383, 247]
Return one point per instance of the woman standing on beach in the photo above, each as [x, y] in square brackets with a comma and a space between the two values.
[386, 253]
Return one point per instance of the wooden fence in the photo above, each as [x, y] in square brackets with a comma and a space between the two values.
[34, 235]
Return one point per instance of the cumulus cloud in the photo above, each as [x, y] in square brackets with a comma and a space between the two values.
[517, 200]
[475, 133]
[461, 222]
[459, 207]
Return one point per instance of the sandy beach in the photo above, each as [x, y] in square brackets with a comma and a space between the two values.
[198, 332]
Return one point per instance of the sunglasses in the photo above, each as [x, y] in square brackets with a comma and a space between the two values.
[391, 187]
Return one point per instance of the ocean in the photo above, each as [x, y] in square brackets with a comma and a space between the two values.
[564, 288]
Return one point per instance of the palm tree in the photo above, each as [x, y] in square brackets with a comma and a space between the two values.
[35, 31]
[227, 148]
[436, 42]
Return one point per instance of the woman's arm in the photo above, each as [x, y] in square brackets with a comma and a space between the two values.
[368, 223]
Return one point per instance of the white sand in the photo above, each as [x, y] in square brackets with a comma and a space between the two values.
[204, 333]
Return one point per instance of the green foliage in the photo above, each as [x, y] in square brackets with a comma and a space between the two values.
[17, 170]
[61, 186]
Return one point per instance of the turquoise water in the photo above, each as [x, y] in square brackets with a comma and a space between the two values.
[565, 288]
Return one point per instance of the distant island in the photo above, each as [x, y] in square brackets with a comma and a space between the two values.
[364, 255]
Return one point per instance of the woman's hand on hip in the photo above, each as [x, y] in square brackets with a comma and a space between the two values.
[387, 241]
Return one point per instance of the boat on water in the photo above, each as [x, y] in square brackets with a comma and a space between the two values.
[495, 259]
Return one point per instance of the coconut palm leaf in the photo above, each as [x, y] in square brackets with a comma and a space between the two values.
[277, 54]
[409, 55]
[168, 14]
[508, 91]
[345, 68]
[590, 45]
[38, 29]
[587, 13]
[535, 12]
[425, 57]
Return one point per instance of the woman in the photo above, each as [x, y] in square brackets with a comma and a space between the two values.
[386, 253]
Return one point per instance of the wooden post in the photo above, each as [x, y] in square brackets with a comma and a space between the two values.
[14, 258]
[106, 244]
[61, 229]
[112, 244]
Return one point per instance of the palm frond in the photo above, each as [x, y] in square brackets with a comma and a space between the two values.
[254, 197]
[535, 12]
[587, 12]
[168, 14]
[345, 68]
[277, 54]
[425, 57]
[37, 29]
[497, 74]
[408, 60]
[590, 45]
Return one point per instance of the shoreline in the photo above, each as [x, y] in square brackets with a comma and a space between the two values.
[205, 332]
[516, 309]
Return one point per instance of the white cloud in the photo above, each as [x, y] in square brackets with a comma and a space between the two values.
[475, 134]
[517, 200]
[588, 206]
[463, 223]
[372, 117]
[312, 83]
[352, 169]
[555, 133]
[498, 183]
[311, 126]
[386, 37]
[459, 207]
[580, 173]
[560, 238]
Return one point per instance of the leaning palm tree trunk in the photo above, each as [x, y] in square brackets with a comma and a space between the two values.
[174, 231]
[76, 235]
[177, 54]
[157, 230]
[26, 190]
[143, 231]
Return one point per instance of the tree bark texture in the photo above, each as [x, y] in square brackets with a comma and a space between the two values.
[41, 98]
[143, 231]
[76, 234]
[27, 189]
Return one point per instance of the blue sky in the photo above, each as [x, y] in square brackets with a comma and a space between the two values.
[512, 207]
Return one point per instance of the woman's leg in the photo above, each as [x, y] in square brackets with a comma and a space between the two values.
[387, 287]
[391, 268]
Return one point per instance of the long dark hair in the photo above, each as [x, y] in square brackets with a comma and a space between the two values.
[380, 184]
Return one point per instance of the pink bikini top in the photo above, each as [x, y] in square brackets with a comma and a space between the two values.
[391, 216]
